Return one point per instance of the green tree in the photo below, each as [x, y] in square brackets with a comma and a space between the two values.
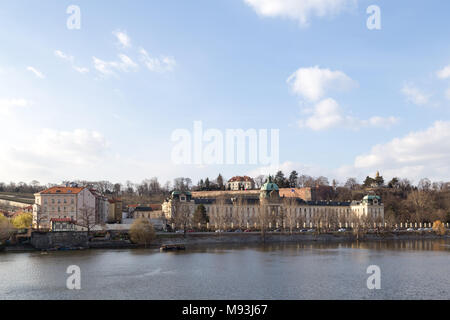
[200, 216]
[379, 180]
[368, 182]
[142, 232]
[293, 179]
[394, 183]
[220, 182]
[280, 180]
[22, 221]
[201, 185]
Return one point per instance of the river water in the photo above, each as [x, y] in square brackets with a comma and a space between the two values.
[409, 270]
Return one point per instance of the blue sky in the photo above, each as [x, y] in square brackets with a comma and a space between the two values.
[227, 64]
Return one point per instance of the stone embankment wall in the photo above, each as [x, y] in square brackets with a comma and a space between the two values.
[250, 238]
[44, 241]
[48, 240]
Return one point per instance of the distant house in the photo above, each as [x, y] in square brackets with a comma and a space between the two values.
[153, 212]
[240, 183]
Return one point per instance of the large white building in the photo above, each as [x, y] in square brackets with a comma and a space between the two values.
[246, 211]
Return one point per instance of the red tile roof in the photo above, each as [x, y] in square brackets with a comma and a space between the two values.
[238, 178]
[62, 190]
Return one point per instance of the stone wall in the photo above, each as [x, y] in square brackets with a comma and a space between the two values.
[49, 240]
[251, 238]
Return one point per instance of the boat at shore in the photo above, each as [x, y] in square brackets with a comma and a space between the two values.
[172, 247]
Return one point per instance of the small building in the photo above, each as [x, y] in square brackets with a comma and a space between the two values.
[240, 183]
[62, 225]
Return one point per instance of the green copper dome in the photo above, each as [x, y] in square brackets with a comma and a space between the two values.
[371, 197]
[269, 185]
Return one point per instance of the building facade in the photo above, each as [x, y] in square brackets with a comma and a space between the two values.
[240, 183]
[73, 203]
[270, 210]
[115, 208]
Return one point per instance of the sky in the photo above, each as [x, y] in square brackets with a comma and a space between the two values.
[102, 102]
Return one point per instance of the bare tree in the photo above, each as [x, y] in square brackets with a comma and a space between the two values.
[221, 216]
[420, 203]
[39, 218]
[424, 184]
[289, 206]
[241, 204]
[259, 181]
[86, 218]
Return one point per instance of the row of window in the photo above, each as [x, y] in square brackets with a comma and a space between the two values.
[53, 201]
[58, 209]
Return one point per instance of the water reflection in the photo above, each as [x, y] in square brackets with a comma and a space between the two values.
[410, 270]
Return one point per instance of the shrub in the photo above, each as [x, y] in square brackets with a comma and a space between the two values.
[142, 232]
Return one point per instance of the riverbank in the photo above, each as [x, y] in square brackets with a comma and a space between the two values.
[66, 241]
[256, 238]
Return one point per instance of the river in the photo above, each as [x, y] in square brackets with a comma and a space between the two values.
[409, 270]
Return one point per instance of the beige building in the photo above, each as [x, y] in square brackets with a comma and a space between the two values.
[240, 183]
[268, 208]
[62, 203]
[115, 208]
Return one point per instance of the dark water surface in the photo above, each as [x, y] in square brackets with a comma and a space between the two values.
[409, 270]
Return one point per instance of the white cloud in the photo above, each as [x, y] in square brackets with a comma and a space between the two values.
[444, 73]
[313, 83]
[36, 72]
[418, 154]
[64, 56]
[71, 60]
[327, 114]
[125, 64]
[58, 151]
[300, 10]
[79, 146]
[81, 70]
[163, 64]
[414, 95]
[7, 105]
[122, 38]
